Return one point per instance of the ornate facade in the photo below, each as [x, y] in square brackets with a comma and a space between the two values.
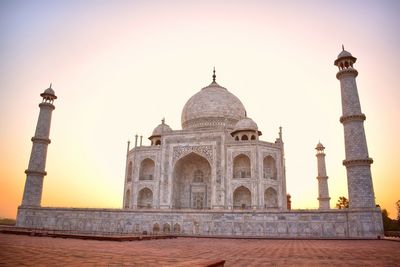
[216, 161]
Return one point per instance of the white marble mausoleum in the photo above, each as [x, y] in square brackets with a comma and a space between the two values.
[216, 162]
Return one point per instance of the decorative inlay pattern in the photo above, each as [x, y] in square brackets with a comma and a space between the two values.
[237, 153]
[205, 151]
[266, 154]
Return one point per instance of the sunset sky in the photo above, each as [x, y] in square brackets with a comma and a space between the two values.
[119, 67]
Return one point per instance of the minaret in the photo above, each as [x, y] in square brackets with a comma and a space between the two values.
[279, 141]
[357, 162]
[323, 190]
[37, 162]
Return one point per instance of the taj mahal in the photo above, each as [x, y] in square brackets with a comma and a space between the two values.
[216, 177]
[216, 161]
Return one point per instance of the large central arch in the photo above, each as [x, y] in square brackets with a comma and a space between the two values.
[191, 183]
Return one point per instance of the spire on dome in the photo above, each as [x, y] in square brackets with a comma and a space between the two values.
[342, 47]
[214, 76]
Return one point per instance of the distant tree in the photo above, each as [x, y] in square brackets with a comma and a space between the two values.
[7, 221]
[342, 203]
[398, 211]
[387, 222]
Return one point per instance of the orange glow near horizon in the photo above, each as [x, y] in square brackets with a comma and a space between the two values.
[119, 67]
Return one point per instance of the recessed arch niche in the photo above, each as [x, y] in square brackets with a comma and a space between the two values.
[241, 166]
[147, 167]
[270, 198]
[241, 198]
[269, 164]
[145, 198]
[191, 181]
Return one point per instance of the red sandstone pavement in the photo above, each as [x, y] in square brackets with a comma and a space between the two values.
[17, 250]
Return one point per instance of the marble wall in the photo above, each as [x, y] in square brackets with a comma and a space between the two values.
[295, 224]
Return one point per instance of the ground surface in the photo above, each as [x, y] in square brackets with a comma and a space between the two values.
[16, 250]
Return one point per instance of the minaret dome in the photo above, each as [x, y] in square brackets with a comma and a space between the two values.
[48, 95]
[320, 148]
[345, 60]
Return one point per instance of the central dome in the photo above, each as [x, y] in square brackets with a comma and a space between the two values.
[213, 107]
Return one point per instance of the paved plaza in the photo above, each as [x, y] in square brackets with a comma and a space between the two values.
[17, 250]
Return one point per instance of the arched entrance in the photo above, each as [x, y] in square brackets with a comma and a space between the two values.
[177, 228]
[127, 199]
[166, 228]
[145, 198]
[241, 167]
[156, 228]
[269, 167]
[242, 198]
[146, 169]
[191, 183]
[270, 198]
[130, 168]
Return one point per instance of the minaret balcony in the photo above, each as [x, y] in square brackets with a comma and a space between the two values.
[357, 117]
[358, 162]
[41, 140]
[346, 72]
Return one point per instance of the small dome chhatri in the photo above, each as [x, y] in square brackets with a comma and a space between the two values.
[160, 129]
[246, 124]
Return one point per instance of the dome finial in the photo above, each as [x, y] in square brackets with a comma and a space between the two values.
[214, 76]
[163, 121]
[342, 47]
[50, 85]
